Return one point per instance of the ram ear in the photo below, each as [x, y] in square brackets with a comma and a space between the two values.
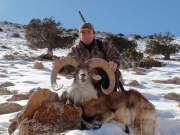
[96, 77]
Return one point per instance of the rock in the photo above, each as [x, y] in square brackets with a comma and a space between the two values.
[52, 122]
[14, 124]
[6, 84]
[44, 114]
[134, 83]
[37, 97]
[4, 71]
[55, 110]
[177, 80]
[10, 108]
[53, 118]
[170, 81]
[18, 97]
[140, 73]
[136, 69]
[3, 75]
[5, 91]
[38, 65]
[172, 96]
[9, 57]
[12, 127]
[35, 102]
[159, 81]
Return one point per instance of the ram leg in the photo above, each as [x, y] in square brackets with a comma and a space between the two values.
[88, 125]
[149, 126]
[103, 118]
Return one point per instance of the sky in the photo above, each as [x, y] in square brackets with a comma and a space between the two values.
[142, 17]
[21, 73]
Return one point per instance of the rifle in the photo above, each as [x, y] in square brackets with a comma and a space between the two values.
[82, 16]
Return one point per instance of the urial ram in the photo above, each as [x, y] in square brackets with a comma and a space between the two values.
[128, 107]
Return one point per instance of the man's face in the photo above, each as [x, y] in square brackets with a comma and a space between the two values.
[86, 36]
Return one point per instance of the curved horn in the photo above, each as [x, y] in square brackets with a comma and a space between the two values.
[63, 62]
[97, 62]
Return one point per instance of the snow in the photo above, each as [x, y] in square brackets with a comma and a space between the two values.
[21, 73]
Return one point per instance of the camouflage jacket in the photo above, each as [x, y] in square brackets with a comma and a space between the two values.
[81, 52]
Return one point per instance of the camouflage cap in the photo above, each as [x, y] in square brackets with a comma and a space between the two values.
[86, 26]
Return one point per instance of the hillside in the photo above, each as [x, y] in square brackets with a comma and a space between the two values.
[17, 68]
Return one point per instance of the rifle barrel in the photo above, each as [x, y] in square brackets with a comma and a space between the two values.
[82, 16]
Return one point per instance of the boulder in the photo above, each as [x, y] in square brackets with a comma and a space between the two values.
[17, 97]
[52, 118]
[9, 57]
[159, 81]
[10, 108]
[170, 81]
[136, 69]
[12, 127]
[44, 114]
[134, 83]
[35, 102]
[38, 65]
[172, 96]
[5, 91]
[177, 80]
[6, 84]
[140, 73]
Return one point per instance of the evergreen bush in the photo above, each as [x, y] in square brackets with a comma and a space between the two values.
[150, 62]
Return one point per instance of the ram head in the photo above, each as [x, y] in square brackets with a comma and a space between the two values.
[83, 73]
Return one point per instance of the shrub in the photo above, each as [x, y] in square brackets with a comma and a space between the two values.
[151, 37]
[17, 26]
[121, 43]
[5, 22]
[75, 35]
[47, 33]
[16, 35]
[1, 29]
[149, 63]
[120, 34]
[69, 30]
[137, 37]
[162, 44]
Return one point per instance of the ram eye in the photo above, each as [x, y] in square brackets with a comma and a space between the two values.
[89, 72]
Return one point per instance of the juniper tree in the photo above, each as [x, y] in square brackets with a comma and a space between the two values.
[133, 56]
[126, 47]
[121, 43]
[162, 44]
[47, 33]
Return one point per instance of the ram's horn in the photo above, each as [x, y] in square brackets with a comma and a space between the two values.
[100, 63]
[65, 61]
